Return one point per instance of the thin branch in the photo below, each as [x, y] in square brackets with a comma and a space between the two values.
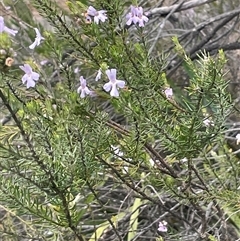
[178, 7]
[161, 26]
[226, 16]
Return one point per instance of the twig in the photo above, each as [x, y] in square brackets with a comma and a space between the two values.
[161, 26]
[178, 7]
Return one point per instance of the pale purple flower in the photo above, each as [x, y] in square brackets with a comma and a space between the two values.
[37, 40]
[113, 83]
[141, 18]
[136, 16]
[168, 92]
[30, 77]
[162, 226]
[132, 17]
[83, 89]
[97, 15]
[99, 74]
[3, 28]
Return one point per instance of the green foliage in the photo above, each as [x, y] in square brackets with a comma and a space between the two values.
[60, 153]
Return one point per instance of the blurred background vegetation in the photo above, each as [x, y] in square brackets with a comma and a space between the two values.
[103, 168]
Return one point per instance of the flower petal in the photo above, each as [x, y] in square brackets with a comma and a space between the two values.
[33, 45]
[99, 74]
[24, 78]
[145, 19]
[38, 35]
[79, 89]
[135, 19]
[37, 40]
[1, 24]
[96, 19]
[114, 92]
[107, 87]
[102, 12]
[141, 23]
[27, 69]
[82, 95]
[120, 83]
[102, 17]
[30, 83]
[83, 82]
[87, 91]
[129, 22]
[10, 31]
[91, 11]
[111, 73]
[35, 76]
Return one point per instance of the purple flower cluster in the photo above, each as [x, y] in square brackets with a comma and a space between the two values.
[135, 16]
[4, 28]
[30, 77]
[112, 86]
